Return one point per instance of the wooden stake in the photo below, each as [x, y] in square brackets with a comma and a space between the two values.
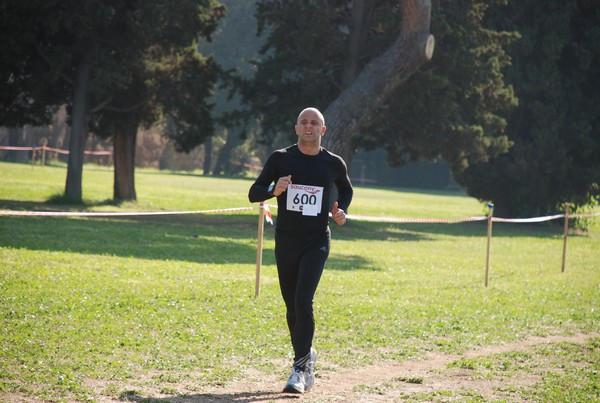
[489, 241]
[261, 229]
[566, 233]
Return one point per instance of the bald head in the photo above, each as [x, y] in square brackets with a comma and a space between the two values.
[312, 110]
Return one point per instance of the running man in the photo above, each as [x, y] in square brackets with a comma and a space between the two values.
[302, 177]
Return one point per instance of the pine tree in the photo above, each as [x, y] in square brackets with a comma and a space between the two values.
[556, 127]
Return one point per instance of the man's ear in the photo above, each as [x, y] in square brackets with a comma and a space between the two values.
[323, 131]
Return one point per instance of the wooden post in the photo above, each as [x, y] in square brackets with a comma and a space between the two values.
[44, 154]
[33, 156]
[261, 229]
[566, 232]
[489, 240]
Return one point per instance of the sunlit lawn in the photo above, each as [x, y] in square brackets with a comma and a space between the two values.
[168, 302]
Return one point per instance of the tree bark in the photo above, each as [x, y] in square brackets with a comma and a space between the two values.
[380, 79]
[224, 163]
[79, 129]
[124, 141]
[208, 149]
[362, 11]
[15, 138]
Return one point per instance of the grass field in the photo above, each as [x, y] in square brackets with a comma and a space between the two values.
[143, 308]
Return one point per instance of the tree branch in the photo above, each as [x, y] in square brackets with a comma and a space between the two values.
[103, 106]
[50, 64]
[380, 78]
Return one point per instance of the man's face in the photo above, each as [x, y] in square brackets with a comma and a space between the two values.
[309, 127]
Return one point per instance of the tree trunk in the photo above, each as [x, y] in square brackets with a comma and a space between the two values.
[79, 130]
[208, 149]
[362, 11]
[124, 141]
[15, 138]
[224, 165]
[380, 78]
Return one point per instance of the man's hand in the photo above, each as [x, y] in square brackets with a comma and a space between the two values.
[338, 215]
[282, 185]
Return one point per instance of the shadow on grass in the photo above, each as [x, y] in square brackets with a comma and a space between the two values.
[56, 202]
[62, 200]
[244, 397]
[225, 238]
[195, 238]
[344, 263]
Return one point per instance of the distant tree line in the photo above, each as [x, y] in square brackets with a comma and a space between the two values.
[506, 92]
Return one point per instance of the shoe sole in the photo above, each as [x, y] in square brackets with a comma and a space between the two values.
[291, 389]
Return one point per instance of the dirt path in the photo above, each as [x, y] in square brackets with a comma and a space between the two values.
[384, 382]
[368, 384]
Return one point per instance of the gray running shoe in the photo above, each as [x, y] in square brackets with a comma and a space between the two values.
[310, 370]
[296, 382]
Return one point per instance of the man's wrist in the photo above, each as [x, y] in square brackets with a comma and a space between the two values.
[271, 189]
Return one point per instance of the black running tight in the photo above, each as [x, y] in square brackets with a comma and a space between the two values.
[300, 262]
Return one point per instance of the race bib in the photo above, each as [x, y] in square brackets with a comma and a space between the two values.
[306, 199]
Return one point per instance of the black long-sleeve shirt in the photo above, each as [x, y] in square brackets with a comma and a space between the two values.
[304, 207]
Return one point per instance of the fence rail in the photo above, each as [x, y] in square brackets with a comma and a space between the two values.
[43, 149]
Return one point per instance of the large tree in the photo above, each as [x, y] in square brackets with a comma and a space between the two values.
[556, 127]
[365, 90]
[454, 107]
[173, 87]
[104, 57]
[364, 63]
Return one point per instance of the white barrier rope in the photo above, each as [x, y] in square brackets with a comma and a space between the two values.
[267, 206]
[529, 220]
[414, 220]
[265, 212]
[466, 219]
[584, 215]
[116, 213]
